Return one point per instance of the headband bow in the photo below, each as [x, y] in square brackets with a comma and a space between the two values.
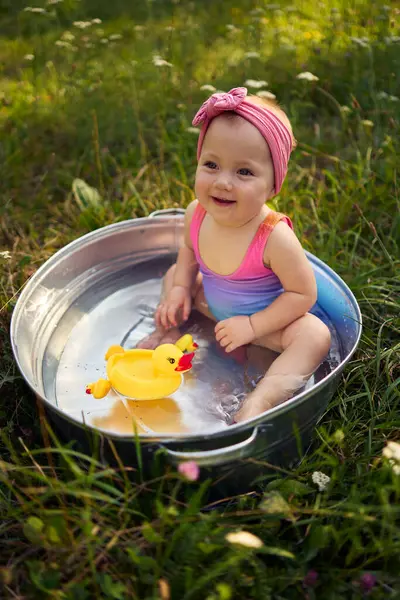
[274, 131]
[218, 103]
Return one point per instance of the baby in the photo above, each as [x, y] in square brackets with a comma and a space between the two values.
[241, 263]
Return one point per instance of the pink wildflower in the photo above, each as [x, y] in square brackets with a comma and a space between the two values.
[190, 470]
[310, 578]
[367, 582]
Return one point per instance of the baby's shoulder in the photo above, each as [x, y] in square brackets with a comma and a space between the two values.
[190, 209]
[281, 237]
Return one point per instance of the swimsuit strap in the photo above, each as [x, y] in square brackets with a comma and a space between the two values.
[197, 218]
[253, 262]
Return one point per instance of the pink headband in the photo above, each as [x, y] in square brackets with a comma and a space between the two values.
[275, 133]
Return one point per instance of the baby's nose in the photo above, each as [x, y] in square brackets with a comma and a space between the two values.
[224, 181]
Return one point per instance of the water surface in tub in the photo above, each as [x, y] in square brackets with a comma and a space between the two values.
[118, 309]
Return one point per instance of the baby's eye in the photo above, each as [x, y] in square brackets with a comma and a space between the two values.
[246, 172]
[210, 164]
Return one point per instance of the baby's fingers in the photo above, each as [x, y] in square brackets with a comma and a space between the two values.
[171, 315]
[221, 333]
[164, 316]
[220, 325]
[225, 341]
[187, 305]
[157, 316]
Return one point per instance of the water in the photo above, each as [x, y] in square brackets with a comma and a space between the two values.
[118, 309]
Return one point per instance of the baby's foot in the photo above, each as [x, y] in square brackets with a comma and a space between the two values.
[159, 336]
[252, 406]
[271, 391]
[171, 336]
[151, 341]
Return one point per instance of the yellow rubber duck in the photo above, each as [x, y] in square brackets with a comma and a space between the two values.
[186, 343]
[142, 374]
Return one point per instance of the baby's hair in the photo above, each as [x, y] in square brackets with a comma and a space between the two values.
[274, 106]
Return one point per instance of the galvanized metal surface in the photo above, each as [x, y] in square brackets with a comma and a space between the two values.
[100, 290]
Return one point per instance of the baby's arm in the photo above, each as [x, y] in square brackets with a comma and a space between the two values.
[287, 259]
[179, 297]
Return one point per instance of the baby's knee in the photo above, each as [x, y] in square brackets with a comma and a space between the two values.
[310, 331]
[318, 334]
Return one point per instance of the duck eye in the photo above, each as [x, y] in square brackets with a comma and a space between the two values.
[171, 360]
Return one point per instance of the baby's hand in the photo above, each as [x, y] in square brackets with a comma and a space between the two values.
[234, 332]
[177, 304]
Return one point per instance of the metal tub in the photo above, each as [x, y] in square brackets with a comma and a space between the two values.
[95, 292]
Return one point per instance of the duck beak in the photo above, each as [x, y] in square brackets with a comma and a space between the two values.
[185, 362]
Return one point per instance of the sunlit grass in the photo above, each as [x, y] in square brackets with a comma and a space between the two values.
[112, 104]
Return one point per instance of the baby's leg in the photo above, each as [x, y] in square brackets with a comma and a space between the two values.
[303, 345]
[160, 334]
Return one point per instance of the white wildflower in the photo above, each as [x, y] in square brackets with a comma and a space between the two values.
[36, 9]
[321, 480]
[96, 21]
[68, 36]
[115, 36]
[29, 57]
[244, 538]
[208, 88]
[367, 123]
[160, 62]
[5, 255]
[385, 96]
[345, 109]
[392, 450]
[252, 55]
[392, 453]
[253, 83]
[363, 42]
[28, 9]
[307, 76]
[392, 39]
[193, 130]
[63, 44]
[266, 94]
[231, 27]
[170, 28]
[82, 24]
[54, 1]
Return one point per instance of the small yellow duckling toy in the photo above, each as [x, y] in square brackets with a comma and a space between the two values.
[142, 374]
[186, 343]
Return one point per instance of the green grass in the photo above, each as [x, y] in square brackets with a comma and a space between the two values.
[101, 111]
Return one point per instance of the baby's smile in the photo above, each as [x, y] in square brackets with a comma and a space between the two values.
[223, 201]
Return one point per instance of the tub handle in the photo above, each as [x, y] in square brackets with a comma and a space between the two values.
[167, 212]
[219, 456]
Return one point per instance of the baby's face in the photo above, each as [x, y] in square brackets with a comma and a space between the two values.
[235, 174]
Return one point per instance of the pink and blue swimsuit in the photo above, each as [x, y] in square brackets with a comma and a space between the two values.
[249, 289]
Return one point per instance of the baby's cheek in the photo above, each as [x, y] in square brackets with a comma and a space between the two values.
[200, 185]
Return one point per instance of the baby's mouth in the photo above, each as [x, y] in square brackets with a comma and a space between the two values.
[222, 201]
